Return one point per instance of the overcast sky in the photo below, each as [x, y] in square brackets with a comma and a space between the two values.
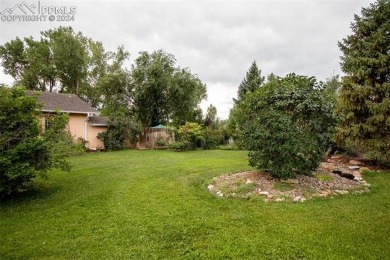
[217, 40]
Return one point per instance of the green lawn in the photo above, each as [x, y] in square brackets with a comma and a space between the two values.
[155, 205]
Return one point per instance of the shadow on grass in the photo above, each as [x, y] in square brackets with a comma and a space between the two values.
[40, 188]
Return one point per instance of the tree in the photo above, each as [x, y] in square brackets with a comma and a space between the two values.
[364, 98]
[40, 71]
[58, 59]
[13, 58]
[252, 81]
[115, 94]
[26, 152]
[211, 116]
[62, 60]
[163, 92]
[23, 153]
[287, 125]
[69, 57]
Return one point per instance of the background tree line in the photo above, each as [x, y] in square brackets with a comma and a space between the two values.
[153, 91]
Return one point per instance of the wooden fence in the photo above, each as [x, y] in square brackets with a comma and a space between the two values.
[150, 136]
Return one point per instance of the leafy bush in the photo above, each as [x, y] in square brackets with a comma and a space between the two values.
[178, 145]
[26, 152]
[287, 125]
[161, 142]
[212, 138]
[190, 133]
[61, 143]
[119, 130]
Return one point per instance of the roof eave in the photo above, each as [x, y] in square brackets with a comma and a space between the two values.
[73, 112]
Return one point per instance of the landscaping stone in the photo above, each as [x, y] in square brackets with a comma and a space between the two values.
[297, 199]
[365, 184]
[328, 166]
[354, 162]
[341, 192]
[328, 181]
[354, 167]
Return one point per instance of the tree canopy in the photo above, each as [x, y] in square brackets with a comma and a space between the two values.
[364, 98]
[154, 91]
[163, 92]
[62, 61]
[252, 81]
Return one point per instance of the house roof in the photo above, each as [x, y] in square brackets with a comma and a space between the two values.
[64, 102]
[98, 120]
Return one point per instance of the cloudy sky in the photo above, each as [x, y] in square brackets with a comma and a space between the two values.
[218, 40]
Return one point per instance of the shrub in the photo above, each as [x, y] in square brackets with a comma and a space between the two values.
[190, 133]
[61, 143]
[212, 138]
[24, 153]
[161, 142]
[287, 125]
[119, 130]
[178, 145]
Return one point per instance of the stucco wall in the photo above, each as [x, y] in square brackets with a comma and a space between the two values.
[92, 132]
[79, 128]
[77, 125]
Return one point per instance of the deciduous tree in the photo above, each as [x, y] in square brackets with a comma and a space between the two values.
[164, 93]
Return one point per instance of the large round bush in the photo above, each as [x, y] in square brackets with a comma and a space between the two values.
[287, 125]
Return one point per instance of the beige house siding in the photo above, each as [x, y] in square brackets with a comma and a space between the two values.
[92, 132]
[80, 128]
[77, 125]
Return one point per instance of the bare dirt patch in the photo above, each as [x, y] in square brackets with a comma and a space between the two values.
[333, 178]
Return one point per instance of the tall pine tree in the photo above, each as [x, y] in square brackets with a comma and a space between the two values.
[251, 82]
[365, 92]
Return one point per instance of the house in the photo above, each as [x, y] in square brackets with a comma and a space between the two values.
[84, 120]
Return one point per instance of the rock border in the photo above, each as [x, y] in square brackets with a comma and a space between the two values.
[332, 178]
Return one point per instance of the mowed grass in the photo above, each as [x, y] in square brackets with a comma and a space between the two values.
[155, 205]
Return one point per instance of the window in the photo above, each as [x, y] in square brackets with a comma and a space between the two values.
[48, 122]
